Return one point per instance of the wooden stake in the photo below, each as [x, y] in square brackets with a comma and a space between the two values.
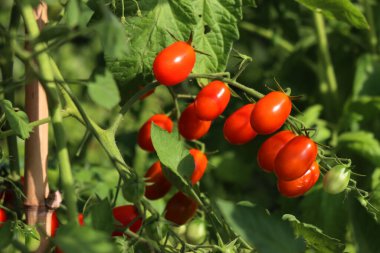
[36, 151]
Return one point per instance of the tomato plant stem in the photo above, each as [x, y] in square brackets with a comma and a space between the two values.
[330, 93]
[232, 82]
[372, 27]
[55, 110]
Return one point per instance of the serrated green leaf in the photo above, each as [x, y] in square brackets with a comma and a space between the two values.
[18, 121]
[342, 10]
[314, 237]
[367, 76]
[251, 3]
[256, 226]
[103, 90]
[361, 143]
[82, 239]
[149, 33]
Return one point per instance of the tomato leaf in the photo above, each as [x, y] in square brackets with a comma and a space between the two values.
[342, 10]
[100, 215]
[365, 228]
[361, 143]
[103, 90]
[178, 163]
[72, 238]
[147, 34]
[255, 225]
[5, 234]
[367, 76]
[313, 236]
[18, 121]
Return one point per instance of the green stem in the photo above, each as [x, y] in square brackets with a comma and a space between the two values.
[268, 34]
[327, 66]
[372, 27]
[176, 104]
[10, 132]
[232, 82]
[55, 111]
[125, 108]
[7, 74]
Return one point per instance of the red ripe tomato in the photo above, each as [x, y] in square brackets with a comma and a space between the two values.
[3, 215]
[200, 161]
[212, 100]
[270, 148]
[180, 208]
[301, 185]
[144, 140]
[157, 185]
[54, 224]
[295, 158]
[237, 128]
[174, 63]
[271, 112]
[125, 215]
[81, 219]
[190, 126]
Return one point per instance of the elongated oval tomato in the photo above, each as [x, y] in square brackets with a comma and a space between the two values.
[144, 139]
[295, 158]
[190, 126]
[180, 208]
[270, 148]
[3, 215]
[271, 112]
[157, 184]
[212, 100]
[174, 63]
[301, 185]
[336, 179]
[54, 224]
[237, 127]
[200, 161]
[125, 215]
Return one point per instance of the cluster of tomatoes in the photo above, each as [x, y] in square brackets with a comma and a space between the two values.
[290, 157]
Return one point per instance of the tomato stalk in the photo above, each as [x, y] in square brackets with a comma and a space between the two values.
[372, 27]
[7, 74]
[328, 85]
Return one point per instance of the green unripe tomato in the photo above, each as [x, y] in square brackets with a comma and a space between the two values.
[336, 180]
[133, 189]
[32, 239]
[196, 231]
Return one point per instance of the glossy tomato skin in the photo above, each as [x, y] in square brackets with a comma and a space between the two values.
[174, 63]
[3, 216]
[270, 148]
[157, 185]
[301, 185]
[180, 209]
[212, 100]
[190, 127]
[125, 215]
[144, 139]
[237, 128]
[271, 112]
[200, 161]
[54, 224]
[295, 158]
[336, 179]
